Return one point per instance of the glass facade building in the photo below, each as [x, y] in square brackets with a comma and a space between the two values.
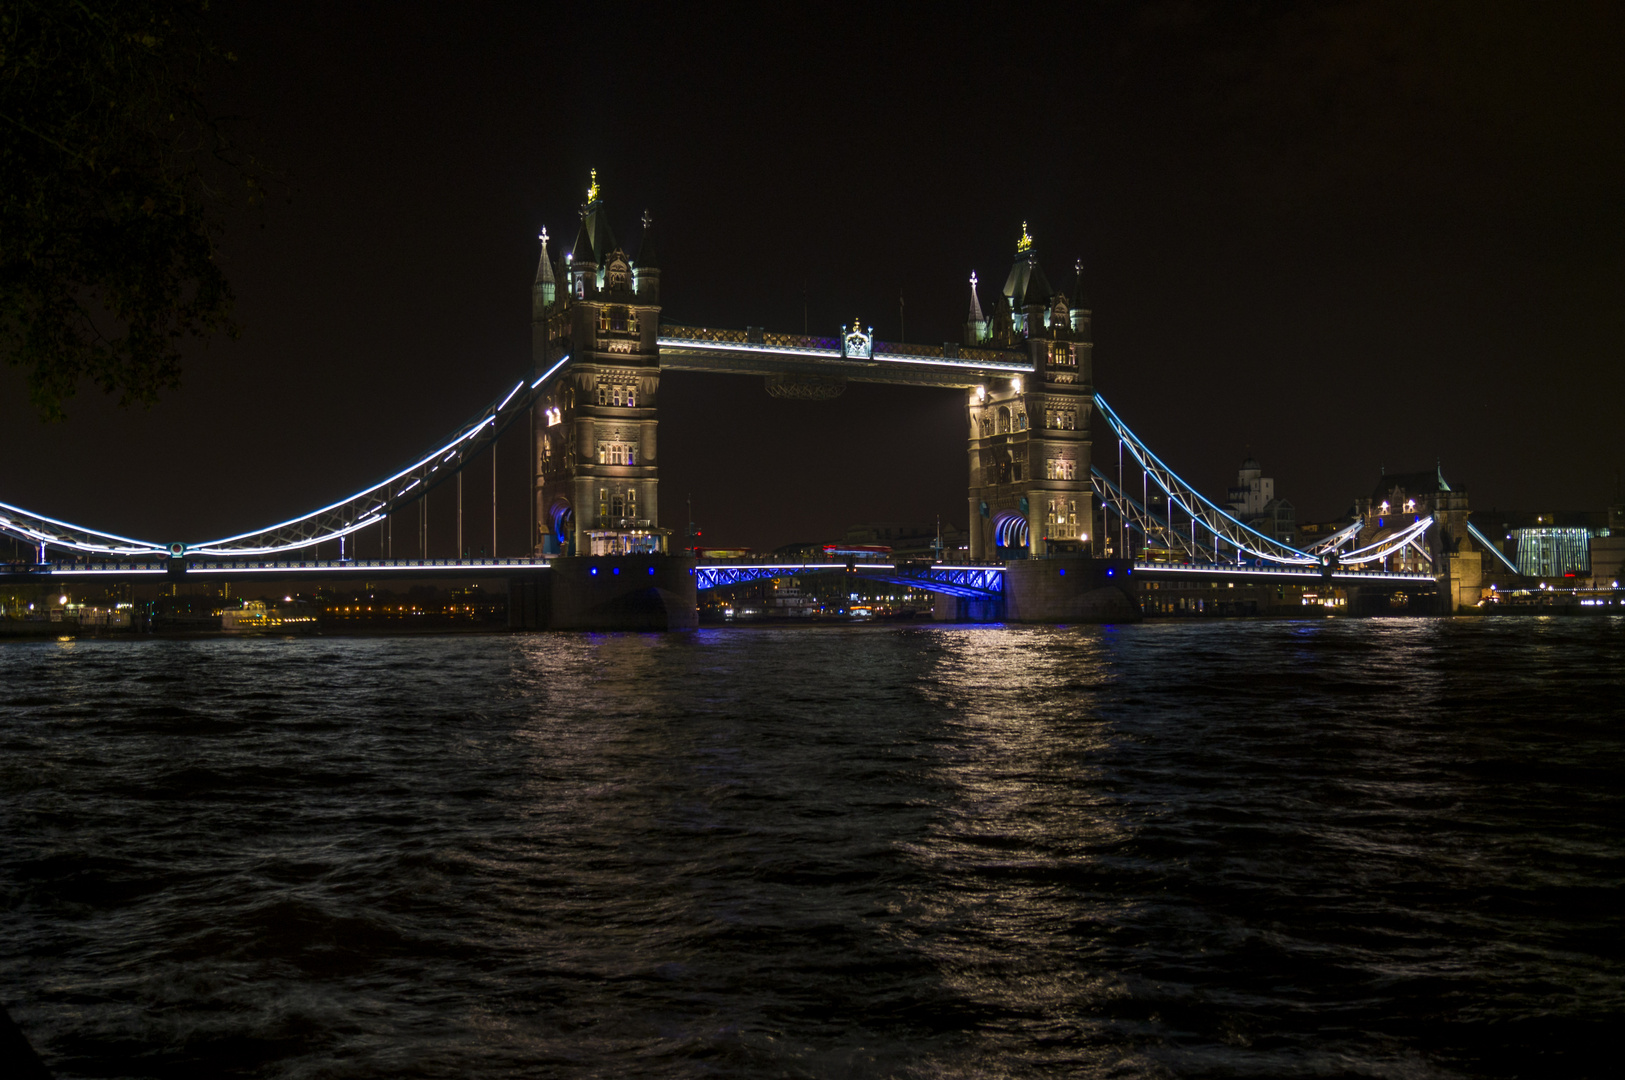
[1553, 552]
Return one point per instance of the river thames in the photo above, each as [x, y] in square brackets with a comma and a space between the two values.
[1339, 848]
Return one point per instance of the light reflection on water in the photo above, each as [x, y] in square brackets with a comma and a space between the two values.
[1382, 847]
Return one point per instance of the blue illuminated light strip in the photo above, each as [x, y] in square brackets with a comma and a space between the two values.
[736, 346]
[1144, 521]
[1272, 550]
[1383, 548]
[518, 386]
[1337, 539]
[973, 581]
[676, 345]
[208, 548]
[124, 545]
[1307, 574]
[67, 572]
[1490, 547]
[386, 566]
[981, 365]
[445, 453]
[565, 359]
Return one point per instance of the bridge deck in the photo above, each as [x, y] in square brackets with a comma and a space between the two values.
[266, 568]
[738, 352]
[944, 577]
[1279, 574]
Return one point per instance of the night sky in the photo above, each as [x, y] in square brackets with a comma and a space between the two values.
[1343, 236]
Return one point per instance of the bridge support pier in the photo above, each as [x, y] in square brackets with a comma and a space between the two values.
[968, 609]
[1384, 600]
[1461, 586]
[618, 592]
[1070, 590]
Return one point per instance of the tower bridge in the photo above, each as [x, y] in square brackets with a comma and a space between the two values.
[1055, 533]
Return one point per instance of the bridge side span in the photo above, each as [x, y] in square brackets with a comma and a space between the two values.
[366, 507]
[974, 582]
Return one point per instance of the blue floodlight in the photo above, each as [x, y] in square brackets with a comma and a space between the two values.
[593, 571]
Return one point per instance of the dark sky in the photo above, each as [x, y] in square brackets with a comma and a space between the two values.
[1343, 235]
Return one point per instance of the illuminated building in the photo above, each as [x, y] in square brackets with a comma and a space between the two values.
[1553, 552]
[1030, 484]
[596, 309]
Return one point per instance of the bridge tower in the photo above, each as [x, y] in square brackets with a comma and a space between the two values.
[1451, 555]
[1030, 486]
[595, 320]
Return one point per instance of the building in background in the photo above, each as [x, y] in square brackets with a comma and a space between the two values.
[1550, 551]
[909, 540]
[1253, 501]
[1608, 551]
[1578, 544]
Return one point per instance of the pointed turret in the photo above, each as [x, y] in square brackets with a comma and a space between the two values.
[595, 225]
[648, 263]
[594, 242]
[1038, 288]
[545, 290]
[975, 322]
[1027, 291]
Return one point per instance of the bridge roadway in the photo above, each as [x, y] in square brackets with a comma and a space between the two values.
[262, 569]
[984, 581]
[953, 579]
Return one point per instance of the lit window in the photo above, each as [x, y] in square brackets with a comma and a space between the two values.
[1060, 469]
[603, 394]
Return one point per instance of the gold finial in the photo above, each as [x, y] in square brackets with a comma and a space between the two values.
[592, 189]
[1024, 244]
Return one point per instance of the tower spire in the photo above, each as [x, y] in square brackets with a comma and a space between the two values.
[975, 321]
[545, 290]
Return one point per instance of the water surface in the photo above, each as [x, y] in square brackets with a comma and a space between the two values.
[1324, 849]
